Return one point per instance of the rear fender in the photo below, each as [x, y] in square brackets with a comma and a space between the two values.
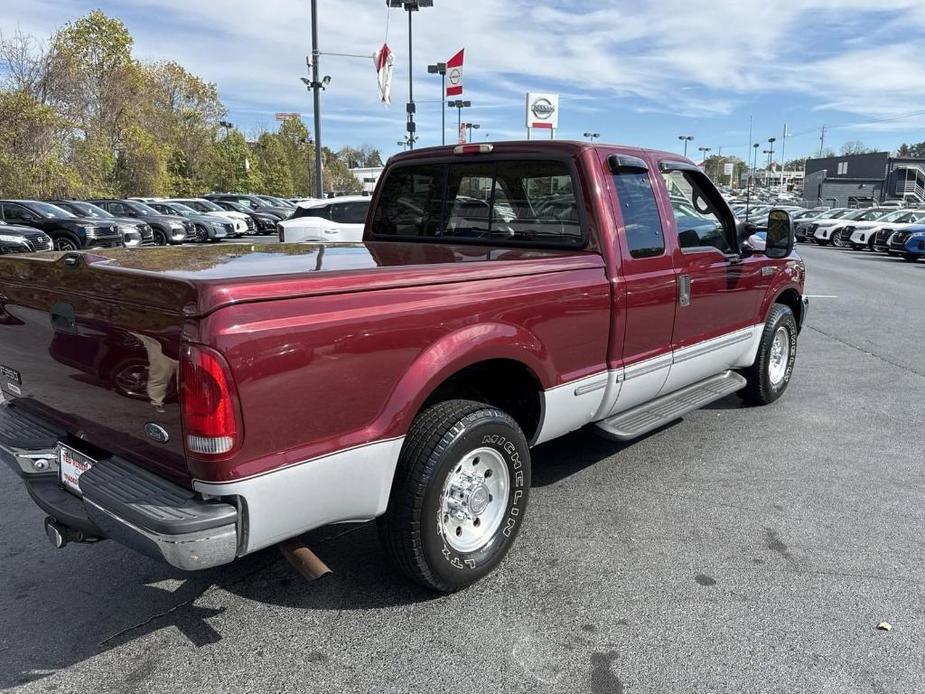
[454, 352]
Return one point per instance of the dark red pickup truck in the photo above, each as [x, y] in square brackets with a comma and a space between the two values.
[201, 404]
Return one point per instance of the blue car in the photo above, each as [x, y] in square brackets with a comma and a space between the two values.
[909, 243]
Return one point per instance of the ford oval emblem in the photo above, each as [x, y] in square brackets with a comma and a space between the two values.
[156, 433]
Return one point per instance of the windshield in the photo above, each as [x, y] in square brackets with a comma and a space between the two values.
[277, 201]
[48, 211]
[894, 216]
[142, 209]
[88, 209]
[209, 205]
[177, 208]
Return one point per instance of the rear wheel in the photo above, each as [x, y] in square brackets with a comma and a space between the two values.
[769, 376]
[459, 495]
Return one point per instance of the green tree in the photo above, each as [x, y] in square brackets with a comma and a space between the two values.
[273, 166]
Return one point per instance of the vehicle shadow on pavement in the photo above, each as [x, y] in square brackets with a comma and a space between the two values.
[127, 597]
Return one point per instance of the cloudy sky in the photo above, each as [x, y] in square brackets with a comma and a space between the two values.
[638, 72]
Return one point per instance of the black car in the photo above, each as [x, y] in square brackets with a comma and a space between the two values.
[18, 239]
[264, 222]
[135, 232]
[168, 229]
[253, 202]
[68, 232]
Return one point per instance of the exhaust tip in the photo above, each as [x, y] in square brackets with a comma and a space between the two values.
[57, 533]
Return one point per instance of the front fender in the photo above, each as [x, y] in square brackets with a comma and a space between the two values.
[454, 352]
[791, 278]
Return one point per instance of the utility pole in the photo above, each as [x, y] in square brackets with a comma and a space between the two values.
[821, 141]
[316, 88]
[783, 159]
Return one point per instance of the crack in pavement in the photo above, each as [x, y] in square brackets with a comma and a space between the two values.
[867, 352]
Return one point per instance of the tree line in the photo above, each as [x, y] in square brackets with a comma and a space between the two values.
[81, 117]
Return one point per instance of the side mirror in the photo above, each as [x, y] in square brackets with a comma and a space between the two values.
[780, 239]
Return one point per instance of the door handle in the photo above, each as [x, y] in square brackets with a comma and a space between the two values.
[684, 290]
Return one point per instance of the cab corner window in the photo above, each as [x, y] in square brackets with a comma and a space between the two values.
[699, 221]
[641, 223]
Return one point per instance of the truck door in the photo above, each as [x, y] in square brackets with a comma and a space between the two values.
[718, 290]
[646, 288]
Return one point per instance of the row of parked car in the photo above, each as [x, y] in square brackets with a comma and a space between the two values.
[895, 230]
[35, 225]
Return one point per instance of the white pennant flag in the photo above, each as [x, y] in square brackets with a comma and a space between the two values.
[384, 60]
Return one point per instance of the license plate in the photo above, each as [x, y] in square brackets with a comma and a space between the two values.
[72, 465]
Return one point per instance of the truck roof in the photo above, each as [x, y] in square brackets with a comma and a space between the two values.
[569, 148]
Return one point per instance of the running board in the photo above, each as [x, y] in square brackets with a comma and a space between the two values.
[651, 415]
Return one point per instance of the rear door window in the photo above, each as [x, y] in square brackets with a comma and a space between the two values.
[506, 202]
[641, 223]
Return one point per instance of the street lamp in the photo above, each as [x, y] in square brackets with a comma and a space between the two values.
[703, 152]
[410, 6]
[748, 182]
[470, 127]
[459, 105]
[440, 69]
[771, 141]
[592, 136]
[685, 139]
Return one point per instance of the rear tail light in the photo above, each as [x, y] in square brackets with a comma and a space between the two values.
[211, 421]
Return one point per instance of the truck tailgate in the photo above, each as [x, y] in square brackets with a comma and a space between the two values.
[95, 350]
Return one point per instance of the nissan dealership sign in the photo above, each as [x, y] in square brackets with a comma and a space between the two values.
[543, 111]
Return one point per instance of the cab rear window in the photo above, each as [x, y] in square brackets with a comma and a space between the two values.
[498, 203]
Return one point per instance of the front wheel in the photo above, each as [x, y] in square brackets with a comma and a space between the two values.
[838, 239]
[459, 495]
[66, 243]
[910, 257]
[769, 376]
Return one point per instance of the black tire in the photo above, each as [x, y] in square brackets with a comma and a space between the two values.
[761, 389]
[66, 242]
[837, 238]
[160, 238]
[202, 236]
[910, 257]
[414, 528]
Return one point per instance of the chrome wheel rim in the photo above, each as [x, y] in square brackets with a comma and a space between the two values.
[780, 356]
[62, 244]
[474, 500]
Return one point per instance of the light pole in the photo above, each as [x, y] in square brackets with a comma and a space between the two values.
[703, 152]
[440, 69]
[685, 139]
[459, 105]
[748, 181]
[314, 85]
[227, 126]
[592, 136]
[771, 141]
[410, 6]
[470, 127]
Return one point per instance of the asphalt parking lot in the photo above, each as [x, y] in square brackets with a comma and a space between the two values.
[739, 550]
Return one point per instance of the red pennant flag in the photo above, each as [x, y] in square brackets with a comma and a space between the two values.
[454, 74]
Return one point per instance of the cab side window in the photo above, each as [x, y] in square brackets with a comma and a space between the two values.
[349, 212]
[641, 223]
[700, 223]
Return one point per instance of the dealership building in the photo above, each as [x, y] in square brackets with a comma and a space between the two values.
[861, 180]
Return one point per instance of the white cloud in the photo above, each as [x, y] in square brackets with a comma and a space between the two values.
[672, 58]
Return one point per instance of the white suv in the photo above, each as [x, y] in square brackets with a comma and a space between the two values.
[327, 221]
